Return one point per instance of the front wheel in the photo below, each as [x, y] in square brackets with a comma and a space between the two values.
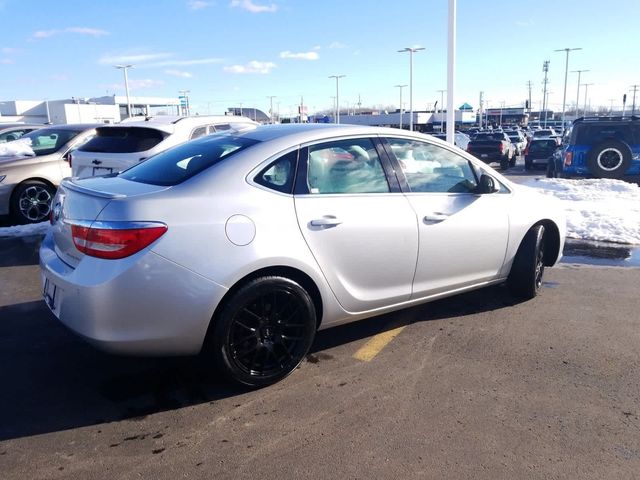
[31, 201]
[525, 278]
[264, 331]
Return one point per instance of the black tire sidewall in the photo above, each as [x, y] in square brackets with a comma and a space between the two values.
[592, 159]
[522, 277]
[220, 334]
[14, 207]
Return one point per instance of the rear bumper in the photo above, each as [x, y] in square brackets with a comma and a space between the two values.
[140, 305]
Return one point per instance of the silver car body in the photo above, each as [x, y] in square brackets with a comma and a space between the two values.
[51, 168]
[174, 129]
[365, 254]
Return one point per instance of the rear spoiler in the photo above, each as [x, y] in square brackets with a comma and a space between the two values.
[68, 183]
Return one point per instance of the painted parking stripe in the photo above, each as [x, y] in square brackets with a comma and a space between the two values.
[369, 350]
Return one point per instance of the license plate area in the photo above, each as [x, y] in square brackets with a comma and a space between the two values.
[49, 293]
[484, 155]
[101, 171]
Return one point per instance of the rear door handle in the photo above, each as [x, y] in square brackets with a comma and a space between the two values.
[435, 217]
[326, 222]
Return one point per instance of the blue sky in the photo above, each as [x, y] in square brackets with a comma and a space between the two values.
[231, 51]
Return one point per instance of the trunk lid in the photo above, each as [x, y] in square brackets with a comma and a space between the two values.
[82, 201]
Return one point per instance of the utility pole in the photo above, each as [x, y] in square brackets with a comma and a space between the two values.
[271, 97]
[301, 108]
[586, 89]
[399, 87]
[501, 108]
[480, 116]
[337, 77]
[545, 69]
[566, 73]
[633, 104]
[578, 94]
[360, 104]
[441, 110]
[411, 52]
[529, 84]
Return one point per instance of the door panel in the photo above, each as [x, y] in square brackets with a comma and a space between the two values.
[364, 238]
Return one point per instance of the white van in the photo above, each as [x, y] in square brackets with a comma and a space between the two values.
[118, 147]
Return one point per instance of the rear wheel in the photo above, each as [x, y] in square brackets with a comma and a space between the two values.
[525, 278]
[31, 201]
[609, 159]
[504, 164]
[264, 331]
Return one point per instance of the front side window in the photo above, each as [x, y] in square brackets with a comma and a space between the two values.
[345, 166]
[431, 168]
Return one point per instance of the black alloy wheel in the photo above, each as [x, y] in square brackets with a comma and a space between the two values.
[527, 270]
[265, 331]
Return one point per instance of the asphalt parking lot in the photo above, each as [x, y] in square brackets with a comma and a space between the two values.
[474, 386]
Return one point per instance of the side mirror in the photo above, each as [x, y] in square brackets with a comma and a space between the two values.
[487, 184]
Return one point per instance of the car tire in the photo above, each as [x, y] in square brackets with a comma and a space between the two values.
[528, 165]
[525, 277]
[504, 164]
[551, 169]
[609, 159]
[264, 331]
[31, 202]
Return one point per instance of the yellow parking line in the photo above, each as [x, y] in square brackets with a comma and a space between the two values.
[369, 350]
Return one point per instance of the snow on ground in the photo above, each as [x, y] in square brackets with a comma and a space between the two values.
[17, 148]
[25, 230]
[597, 209]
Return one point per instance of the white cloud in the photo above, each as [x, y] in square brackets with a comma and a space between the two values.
[5, 61]
[317, 47]
[179, 73]
[132, 58]
[94, 32]
[251, 67]
[182, 63]
[249, 6]
[335, 45]
[135, 84]
[9, 50]
[300, 56]
[199, 4]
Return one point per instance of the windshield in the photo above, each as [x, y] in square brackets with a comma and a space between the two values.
[178, 164]
[50, 140]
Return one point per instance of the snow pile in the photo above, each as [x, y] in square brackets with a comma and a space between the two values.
[25, 230]
[597, 209]
[17, 148]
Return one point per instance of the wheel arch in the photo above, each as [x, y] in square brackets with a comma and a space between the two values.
[46, 181]
[277, 270]
[551, 241]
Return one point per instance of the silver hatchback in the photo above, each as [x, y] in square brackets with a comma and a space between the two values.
[244, 245]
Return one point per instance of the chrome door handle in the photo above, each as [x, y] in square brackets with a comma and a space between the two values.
[326, 222]
[436, 217]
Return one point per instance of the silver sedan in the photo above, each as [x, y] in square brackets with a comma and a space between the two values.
[243, 245]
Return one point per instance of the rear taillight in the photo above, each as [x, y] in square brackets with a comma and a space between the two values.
[468, 147]
[501, 147]
[568, 158]
[113, 243]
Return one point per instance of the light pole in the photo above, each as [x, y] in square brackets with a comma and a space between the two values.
[271, 97]
[501, 107]
[566, 72]
[441, 110]
[400, 87]
[586, 89]
[337, 77]
[124, 68]
[578, 94]
[411, 51]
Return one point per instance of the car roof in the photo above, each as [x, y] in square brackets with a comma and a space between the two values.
[192, 120]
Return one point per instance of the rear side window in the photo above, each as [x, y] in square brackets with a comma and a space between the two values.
[592, 134]
[198, 132]
[180, 163]
[279, 175]
[544, 145]
[124, 140]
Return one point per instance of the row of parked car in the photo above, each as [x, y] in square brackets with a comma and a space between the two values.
[35, 158]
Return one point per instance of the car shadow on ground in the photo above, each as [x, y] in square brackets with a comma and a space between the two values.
[19, 251]
[51, 380]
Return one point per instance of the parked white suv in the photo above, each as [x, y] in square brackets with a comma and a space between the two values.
[118, 147]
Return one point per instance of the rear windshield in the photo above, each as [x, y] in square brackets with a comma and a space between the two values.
[177, 164]
[489, 136]
[124, 140]
[50, 140]
[543, 145]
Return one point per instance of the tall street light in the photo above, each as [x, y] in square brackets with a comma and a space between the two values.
[124, 68]
[441, 110]
[400, 87]
[411, 51]
[566, 72]
[271, 97]
[586, 89]
[337, 77]
[578, 94]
